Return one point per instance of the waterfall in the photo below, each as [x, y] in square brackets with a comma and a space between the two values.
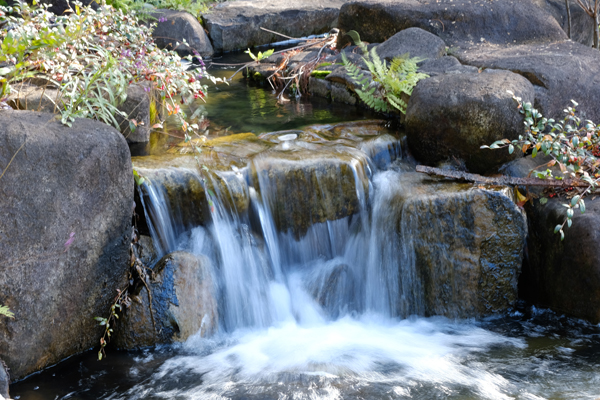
[317, 269]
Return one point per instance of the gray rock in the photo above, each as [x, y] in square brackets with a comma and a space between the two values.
[415, 42]
[467, 244]
[184, 303]
[341, 94]
[452, 115]
[582, 24]
[340, 75]
[137, 106]
[456, 22]
[564, 275]
[561, 72]
[236, 25]
[66, 204]
[178, 26]
[319, 87]
[439, 66]
[4, 381]
[59, 7]
[35, 98]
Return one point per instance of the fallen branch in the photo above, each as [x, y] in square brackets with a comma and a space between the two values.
[503, 179]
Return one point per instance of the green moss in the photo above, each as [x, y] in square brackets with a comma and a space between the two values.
[320, 74]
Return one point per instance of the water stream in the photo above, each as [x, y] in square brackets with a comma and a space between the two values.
[331, 311]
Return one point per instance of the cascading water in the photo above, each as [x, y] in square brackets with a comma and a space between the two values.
[305, 311]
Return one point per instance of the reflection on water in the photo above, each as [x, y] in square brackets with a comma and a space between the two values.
[244, 106]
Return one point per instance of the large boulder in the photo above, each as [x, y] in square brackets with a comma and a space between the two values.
[174, 26]
[415, 42]
[182, 302]
[236, 25]
[467, 244]
[66, 203]
[456, 22]
[453, 115]
[561, 72]
[564, 275]
[582, 25]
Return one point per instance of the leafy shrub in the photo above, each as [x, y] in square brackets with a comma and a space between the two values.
[92, 57]
[573, 145]
[397, 80]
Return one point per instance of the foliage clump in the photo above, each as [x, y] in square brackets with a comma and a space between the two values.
[574, 146]
[395, 81]
[91, 57]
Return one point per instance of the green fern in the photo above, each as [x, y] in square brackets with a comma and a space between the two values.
[399, 78]
[4, 310]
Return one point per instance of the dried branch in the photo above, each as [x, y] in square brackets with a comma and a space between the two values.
[503, 179]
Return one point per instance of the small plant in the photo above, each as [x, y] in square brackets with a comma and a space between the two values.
[397, 80]
[573, 145]
[4, 310]
[92, 57]
[260, 56]
[122, 299]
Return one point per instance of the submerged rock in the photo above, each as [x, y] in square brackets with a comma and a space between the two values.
[66, 203]
[183, 303]
[453, 115]
[467, 245]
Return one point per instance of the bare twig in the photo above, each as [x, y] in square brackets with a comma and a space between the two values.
[279, 34]
[13, 157]
[502, 180]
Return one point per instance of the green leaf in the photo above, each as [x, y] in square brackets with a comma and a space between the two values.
[575, 199]
[570, 213]
[100, 355]
[543, 200]
[557, 228]
[582, 206]
[511, 149]
[562, 235]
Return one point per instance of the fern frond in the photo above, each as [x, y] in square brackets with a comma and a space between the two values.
[356, 39]
[4, 310]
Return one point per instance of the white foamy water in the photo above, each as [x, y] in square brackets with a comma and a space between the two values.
[371, 355]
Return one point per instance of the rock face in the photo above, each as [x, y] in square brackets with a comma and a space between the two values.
[560, 72]
[66, 203]
[137, 106]
[564, 276]
[183, 303]
[414, 41]
[456, 22]
[467, 243]
[236, 24]
[581, 24]
[453, 115]
[4, 381]
[35, 98]
[180, 25]
[328, 162]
